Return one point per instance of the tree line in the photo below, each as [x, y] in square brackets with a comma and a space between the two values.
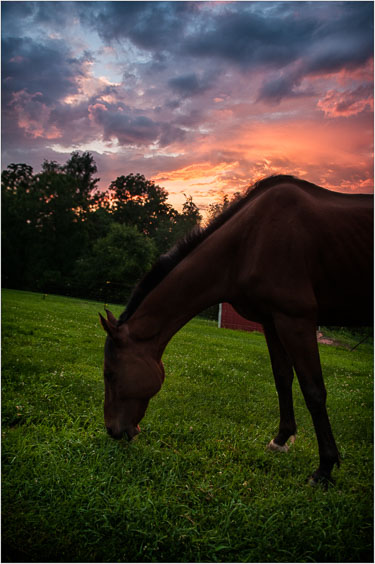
[61, 234]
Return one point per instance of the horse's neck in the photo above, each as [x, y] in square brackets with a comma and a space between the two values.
[193, 285]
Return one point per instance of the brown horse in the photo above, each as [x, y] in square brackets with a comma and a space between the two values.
[289, 255]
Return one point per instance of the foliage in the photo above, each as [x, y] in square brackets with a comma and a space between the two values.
[198, 484]
[52, 224]
[123, 256]
[19, 222]
[217, 208]
[139, 202]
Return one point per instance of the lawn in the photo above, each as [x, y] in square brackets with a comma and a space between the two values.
[198, 484]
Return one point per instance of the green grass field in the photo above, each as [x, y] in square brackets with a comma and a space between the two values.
[198, 484]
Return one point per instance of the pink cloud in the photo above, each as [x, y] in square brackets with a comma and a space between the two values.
[347, 103]
[33, 116]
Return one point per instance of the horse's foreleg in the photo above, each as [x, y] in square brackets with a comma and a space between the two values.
[299, 339]
[283, 373]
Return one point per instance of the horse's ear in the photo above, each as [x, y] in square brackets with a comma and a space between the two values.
[109, 327]
[111, 318]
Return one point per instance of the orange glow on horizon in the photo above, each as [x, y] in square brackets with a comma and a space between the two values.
[328, 153]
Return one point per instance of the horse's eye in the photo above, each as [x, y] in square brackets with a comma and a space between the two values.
[108, 375]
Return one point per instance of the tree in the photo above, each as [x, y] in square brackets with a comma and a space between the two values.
[81, 169]
[18, 211]
[116, 262]
[44, 221]
[187, 220]
[216, 209]
[60, 233]
[140, 202]
[79, 173]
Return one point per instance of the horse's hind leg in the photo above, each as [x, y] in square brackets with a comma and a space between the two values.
[299, 339]
[283, 373]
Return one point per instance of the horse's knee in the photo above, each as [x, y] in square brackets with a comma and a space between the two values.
[315, 398]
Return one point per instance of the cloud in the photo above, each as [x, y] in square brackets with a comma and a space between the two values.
[17, 16]
[326, 37]
[129, 130]
[46, 67]
[130, 127]
[281, 85]
[189, 84]
[288, 40]
[37, 76]
[349, 102]
[148, 25]
[248, 39]
[33, 115]
[222, 91]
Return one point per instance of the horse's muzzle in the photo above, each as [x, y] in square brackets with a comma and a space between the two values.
[133, 432]
[129, 433]
[111, 433]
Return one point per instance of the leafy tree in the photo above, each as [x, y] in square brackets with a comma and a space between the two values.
[187, 220]
[61, 234]
[18, 213]
[218, 207]
[116, 262]
[80, 170]
[44, 228]
[138, 201]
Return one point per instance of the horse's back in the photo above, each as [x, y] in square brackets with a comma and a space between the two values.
[304, 245]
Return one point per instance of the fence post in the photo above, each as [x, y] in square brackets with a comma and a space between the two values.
[219, 316]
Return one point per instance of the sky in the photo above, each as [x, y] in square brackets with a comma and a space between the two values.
[204, 98]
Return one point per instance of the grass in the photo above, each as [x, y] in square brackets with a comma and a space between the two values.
[198, 484]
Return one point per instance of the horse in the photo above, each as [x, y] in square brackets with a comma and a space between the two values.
[289, 255]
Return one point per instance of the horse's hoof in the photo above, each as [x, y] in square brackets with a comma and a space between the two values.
[318, 479]
[280, 448]
[277, 448]
[312, 481]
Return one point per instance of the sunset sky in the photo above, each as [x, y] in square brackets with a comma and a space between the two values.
[202, 97]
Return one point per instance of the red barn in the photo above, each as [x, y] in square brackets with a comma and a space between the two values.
[230, 319]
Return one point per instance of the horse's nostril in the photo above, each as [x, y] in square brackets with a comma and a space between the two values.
[109, 431]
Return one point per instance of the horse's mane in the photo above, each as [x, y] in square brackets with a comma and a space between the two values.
[167, 262]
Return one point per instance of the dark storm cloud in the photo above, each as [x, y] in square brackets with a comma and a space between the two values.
[318, 37]
[248, 39]
[132, 129]
[344, 41]
[19, 18]
[149, 25]
[16, 14]
[289, 40]
[299, 42]
[45, 67]
[126, 128]
[37, 75]
[245, 33]
[189, 84]
[50, 13]
[280, 86]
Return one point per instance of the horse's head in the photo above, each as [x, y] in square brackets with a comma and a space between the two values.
[131, 377]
